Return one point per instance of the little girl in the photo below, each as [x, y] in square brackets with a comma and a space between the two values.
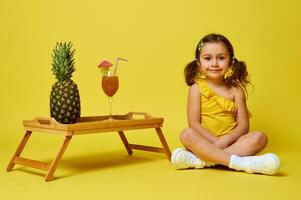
[218, 117]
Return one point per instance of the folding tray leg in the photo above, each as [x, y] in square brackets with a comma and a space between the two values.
[129, 147]
[163, 142]
[55, 162]
[18, 151]
[125, 142]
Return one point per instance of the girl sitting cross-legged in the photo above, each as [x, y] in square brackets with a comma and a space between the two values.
[218, 117]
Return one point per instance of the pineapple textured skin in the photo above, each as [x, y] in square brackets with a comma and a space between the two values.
[65, 102]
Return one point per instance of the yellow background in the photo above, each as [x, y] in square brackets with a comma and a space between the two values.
[158, 38]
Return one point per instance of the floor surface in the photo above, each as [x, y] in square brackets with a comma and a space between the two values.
[98, 167]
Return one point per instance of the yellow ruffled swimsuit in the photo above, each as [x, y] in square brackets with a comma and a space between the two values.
[218, 114]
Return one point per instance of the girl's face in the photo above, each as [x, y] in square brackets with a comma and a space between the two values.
[215, 60]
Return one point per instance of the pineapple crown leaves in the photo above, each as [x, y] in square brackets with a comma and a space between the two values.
[63, 62]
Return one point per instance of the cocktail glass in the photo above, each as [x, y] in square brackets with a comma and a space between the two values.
[110, 86]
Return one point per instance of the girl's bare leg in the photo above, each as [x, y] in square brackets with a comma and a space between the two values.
[248, 145]
[237, 156]
[204, 149]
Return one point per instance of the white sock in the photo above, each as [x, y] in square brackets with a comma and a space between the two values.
[239, 163]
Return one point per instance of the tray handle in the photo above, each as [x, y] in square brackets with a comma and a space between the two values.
[146, 115]
[45, 121]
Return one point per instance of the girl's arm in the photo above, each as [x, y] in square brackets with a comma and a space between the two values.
[194, 113]
[242, 120]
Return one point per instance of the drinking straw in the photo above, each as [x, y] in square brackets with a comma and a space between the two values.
[116, 64]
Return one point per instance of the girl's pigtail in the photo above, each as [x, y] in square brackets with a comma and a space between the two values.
[240, 73]
[190, 72]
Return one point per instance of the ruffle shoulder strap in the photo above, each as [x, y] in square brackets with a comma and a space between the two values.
[207, 92]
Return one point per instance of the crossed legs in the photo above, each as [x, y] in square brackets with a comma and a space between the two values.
[247, 145]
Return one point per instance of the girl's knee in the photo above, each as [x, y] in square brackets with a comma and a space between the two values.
[259, 139]
[186, 136]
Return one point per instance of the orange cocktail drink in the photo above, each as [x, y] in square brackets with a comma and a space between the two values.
[110, 85]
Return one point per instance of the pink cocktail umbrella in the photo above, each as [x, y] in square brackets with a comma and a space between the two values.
[105, 65]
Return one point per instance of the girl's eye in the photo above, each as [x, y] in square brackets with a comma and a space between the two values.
[222, 58]
[207, 58]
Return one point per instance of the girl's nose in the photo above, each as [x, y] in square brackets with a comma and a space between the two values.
[214, 63]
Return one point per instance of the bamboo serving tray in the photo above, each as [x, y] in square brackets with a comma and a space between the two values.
[87, 125]
[94, 124]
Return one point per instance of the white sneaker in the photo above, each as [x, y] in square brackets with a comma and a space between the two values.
[184, 159]
[265, 164]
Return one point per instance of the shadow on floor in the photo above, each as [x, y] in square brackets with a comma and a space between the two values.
[75, 165]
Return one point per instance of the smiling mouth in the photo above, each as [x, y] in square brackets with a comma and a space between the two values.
[215, 70]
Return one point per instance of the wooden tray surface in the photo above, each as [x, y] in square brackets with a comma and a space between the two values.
[91, 124]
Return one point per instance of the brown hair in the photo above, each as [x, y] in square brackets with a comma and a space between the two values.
[239, 75]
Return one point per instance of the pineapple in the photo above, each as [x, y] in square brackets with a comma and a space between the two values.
[64, 97]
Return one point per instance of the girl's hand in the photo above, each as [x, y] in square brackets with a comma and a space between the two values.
[223, 141]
